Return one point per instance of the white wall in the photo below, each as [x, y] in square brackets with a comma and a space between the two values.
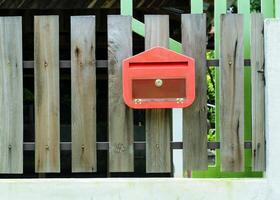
[132, 189]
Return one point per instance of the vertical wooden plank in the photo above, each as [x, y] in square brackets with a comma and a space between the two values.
[83, 92]
[158, 121]
[46, 72]
[156, 31]
[177, 125]
[11, 96]
[232, 93]
[243, 7]
[258, 83]
[120, 116]
[195, 117]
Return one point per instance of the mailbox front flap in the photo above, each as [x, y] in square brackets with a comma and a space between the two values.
[158, 78]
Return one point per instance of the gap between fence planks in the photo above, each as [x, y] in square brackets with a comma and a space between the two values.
[158, 121]
[195, 156]
[83, 94]
[11, 96]
[232, 93]
[121, 152]
[258, 95]
[46, 72]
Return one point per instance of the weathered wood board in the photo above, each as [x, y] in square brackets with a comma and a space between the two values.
[194, 41]
[121, 153]
[46, 73]
[83, 94]
[158, 121]
[232, 93]
[11, 96]
[258, 94]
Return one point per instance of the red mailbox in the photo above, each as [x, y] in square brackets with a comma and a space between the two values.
[158, 78]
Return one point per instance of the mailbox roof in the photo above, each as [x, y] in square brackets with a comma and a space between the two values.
[158, 54]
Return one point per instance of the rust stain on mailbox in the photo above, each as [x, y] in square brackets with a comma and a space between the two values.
[158, 78]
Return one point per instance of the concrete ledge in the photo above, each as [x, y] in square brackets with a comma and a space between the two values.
[167, 188]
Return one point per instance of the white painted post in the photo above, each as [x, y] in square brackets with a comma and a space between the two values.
[272, 75]
[177, 130]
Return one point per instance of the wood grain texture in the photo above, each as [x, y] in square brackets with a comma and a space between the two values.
[258, 94]
[121, 157]
[83, 94]
[194, 41]
[232, 93]
[158, 121]
[156, 31]
[11, 96]
[46, 73]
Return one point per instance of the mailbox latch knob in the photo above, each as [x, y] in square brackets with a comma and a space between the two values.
[158, 83]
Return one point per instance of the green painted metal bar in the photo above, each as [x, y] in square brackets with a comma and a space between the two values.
[196, 6]
[277, 8]
[220, 7]
[267, 8]
[244, 8]
[127, 7]
[138, 27]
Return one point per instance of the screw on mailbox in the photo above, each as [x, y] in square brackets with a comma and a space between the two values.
[180, 100]
[158, 83]
[137, 101]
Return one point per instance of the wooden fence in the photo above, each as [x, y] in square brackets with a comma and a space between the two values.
[121, 144]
